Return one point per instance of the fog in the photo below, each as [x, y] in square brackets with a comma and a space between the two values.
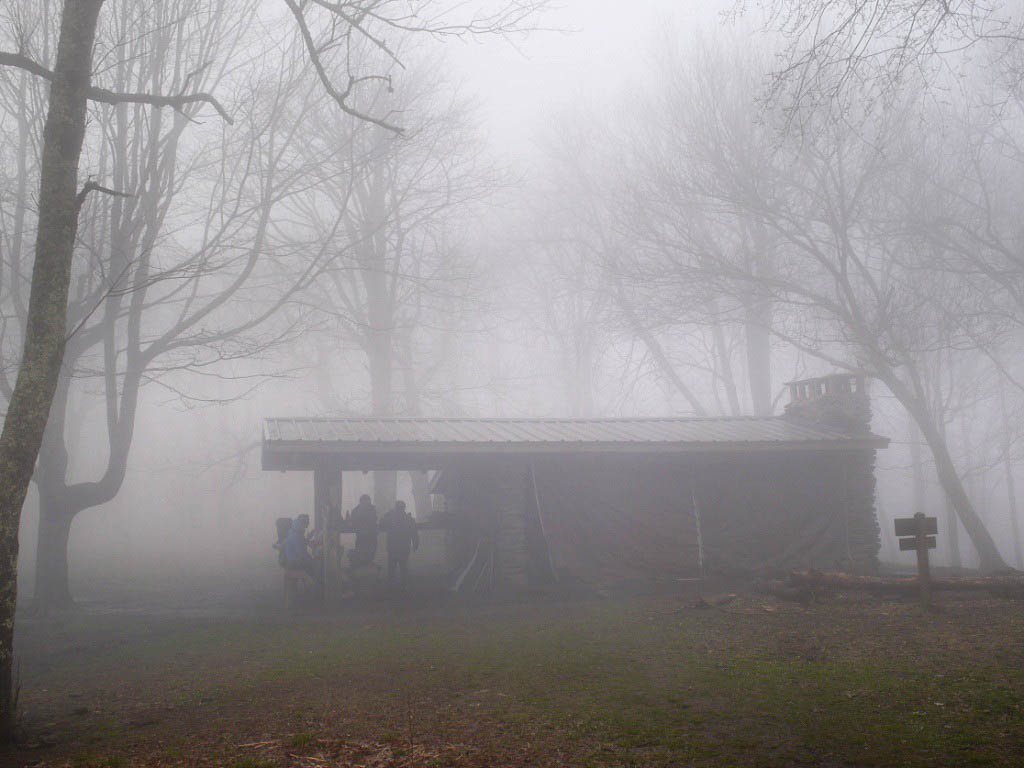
[511, 382]
[600, 213]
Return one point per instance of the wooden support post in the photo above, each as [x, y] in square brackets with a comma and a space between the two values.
[918, 533]
[696, 523]
[327, 496]
[552, 572]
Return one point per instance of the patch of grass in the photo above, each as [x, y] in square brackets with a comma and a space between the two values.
[302, 740]
[641, 682]
[91, 761]
[250, 762]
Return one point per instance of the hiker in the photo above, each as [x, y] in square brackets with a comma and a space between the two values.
[284, 525]
[296, 549]
[401, 535]
[363, 521]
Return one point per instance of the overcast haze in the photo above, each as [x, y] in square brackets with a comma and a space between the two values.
[560, 150]
[511, 382]
[521, 80]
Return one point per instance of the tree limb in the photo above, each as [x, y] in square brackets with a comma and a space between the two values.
[25, 63]
[339, 96]
[106, 96]
[92, 186]
[177, 103]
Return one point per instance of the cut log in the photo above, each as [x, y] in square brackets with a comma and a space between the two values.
[1005, 586]
[716, 600]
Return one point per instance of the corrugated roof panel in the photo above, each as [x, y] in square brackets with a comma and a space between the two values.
[539, 431]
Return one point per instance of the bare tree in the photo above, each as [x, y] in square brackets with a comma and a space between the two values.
[837, 48]
[857, 294]
[148, 306]
[386, 206]
[851, 282]
[1006, 447]
[682, 134]
[578, 296]
[60, 201]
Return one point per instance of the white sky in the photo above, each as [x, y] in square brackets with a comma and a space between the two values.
[607, 42]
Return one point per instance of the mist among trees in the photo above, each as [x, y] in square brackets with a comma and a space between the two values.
[214, 211]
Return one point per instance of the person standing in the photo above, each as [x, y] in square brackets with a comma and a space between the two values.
[402, 538]
[296, 549]
[363, 522]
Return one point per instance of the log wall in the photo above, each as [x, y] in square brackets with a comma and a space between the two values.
[614, 519]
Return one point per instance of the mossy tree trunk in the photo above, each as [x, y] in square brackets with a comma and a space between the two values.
[45, 330]
[53, 590]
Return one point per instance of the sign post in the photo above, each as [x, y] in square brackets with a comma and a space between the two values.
[918, 533]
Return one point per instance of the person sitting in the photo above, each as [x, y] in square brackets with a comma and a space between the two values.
[363, 521]
[402, 535]
[296, 549]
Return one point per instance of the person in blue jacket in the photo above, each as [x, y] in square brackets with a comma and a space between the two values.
[296, 549]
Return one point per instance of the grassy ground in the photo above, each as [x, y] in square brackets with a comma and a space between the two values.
[640, 681]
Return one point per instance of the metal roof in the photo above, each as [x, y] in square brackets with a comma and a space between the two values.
[384, 443]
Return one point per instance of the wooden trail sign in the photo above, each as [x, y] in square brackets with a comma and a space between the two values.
[908, 526]
[918, 533]
[906, 545]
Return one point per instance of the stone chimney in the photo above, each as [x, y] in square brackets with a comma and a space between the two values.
[839, 401]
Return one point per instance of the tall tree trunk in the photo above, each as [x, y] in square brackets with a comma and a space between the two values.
[45, 328]
[952, 520]
[657, 352]
[757, 322]
[581, 384]
[1011, 483]
[52, 586]
[385, 484]
[757, 340]
[52, 589]
[385, 489]
[420, 493]
[418, 480]
[968, 479]
[920, 500]
[724, 358]
[988, 553]
[956, 560]
[1011, 498]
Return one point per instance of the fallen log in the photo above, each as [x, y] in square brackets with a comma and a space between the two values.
[712, 602]
[1005, 586]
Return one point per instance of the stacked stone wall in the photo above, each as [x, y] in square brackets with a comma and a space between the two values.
[512, 566]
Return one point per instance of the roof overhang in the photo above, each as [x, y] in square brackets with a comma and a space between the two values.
[368, 455]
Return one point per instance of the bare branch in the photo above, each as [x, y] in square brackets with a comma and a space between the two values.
[177, 103]
[106, 96]
[339, 96]
[25, 63]
[92, 186]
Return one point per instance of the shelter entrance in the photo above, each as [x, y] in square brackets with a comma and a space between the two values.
[358, 548]
[524, 501]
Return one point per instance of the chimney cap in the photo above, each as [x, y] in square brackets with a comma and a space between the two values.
[826, 377]
[826, 386]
